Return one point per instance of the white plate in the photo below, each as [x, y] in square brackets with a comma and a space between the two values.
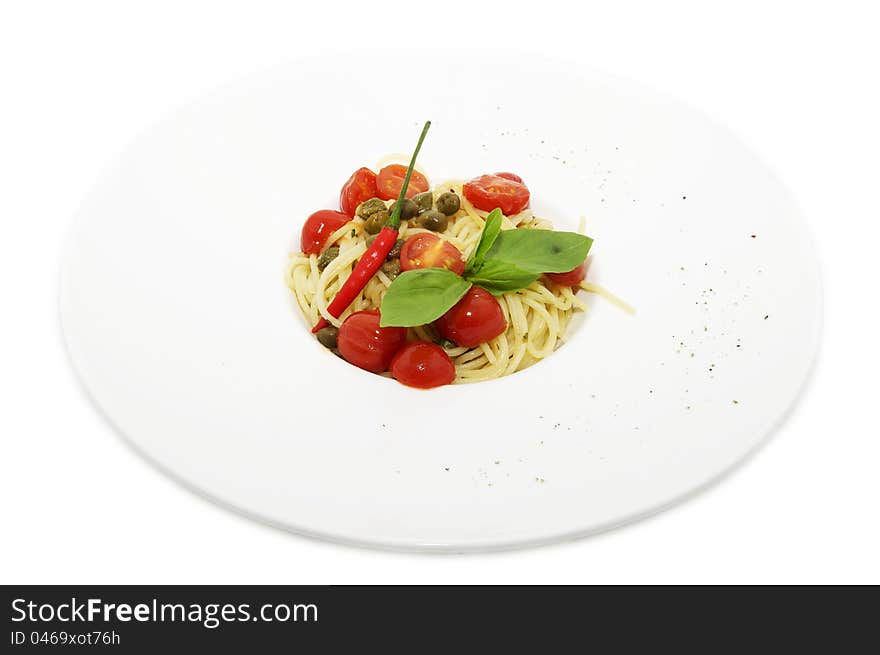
[178, 321]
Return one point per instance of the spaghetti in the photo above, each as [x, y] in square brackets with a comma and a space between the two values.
[537, 316]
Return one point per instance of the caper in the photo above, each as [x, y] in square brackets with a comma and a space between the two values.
[395, 250]
[327, 256]
[370, 207]
[433, 220]
[448, 203]
[327, 336]
[407, 210]
[376, 221]
[370, 240]
[424, 201]
[391, 268]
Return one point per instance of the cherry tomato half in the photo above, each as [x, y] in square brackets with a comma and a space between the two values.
[430, 251]
[318, 227]
[571, 278]
[490, 191]
[366, 345]
[361, 186]
[472, 320]
[422, 365]
[511, 176]
[390, 181]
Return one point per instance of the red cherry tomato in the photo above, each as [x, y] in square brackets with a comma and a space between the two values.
[422, 365]
[511, 176]
[318, 228]
[389, 182]
[570, 279]
[361, 186]
[363, 343]
[472, 320]
[488, 192]
[430, 251]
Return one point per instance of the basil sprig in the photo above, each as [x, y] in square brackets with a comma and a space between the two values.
[502, 262]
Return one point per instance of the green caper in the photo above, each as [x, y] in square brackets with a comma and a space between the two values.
[448, 203]
[407, 211]
[433, 220]
[370, 207]
[424, 201]
[391, 268]
[327, 336]
[327, 256]
[376, 221]
[395, 250]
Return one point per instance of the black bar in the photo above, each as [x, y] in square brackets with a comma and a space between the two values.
[149, 619]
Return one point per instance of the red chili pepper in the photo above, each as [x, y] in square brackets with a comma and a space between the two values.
[372, 259]
[365, 269]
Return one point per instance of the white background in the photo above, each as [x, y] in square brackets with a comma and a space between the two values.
[78, 80]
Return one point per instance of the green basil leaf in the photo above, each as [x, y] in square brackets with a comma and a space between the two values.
[491, 229]
[540, 251]
[499, 277]
[421, 296]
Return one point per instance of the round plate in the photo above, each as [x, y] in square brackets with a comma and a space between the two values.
[179, 323]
